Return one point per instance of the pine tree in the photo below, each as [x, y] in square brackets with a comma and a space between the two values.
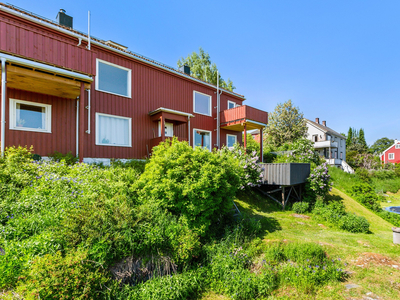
[349, 140]
[361, 140]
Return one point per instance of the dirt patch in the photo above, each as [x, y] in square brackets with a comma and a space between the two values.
[322, 226]
[326, 244]
[365, 244]
[368, 258]
[301, 216]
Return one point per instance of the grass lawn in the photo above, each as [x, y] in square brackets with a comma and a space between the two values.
[391, 200]
[373, 261]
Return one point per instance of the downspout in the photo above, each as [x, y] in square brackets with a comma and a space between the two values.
[88, 108]
[77, 126]
[3, 105]
[218, 94]
[189, 130]
[88, 35]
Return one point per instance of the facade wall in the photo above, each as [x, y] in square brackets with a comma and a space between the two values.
[391, 150]
[151, 88]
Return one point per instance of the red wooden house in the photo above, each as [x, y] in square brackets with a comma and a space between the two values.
[391, 154]
[63, 90]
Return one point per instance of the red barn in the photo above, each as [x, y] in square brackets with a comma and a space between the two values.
[63, 90]
[391, 154]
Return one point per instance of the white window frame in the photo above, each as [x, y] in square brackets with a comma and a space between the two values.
[194, 139]
[129, 87]
[228, 135]
[194, 103]
[13, 116]
[390, 154]
[234, 104]
[98, 143]
[397, 146]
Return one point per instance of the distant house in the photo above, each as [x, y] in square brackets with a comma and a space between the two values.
[328, 143]
[391, 154]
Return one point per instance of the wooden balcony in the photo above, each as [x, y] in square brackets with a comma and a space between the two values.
[235, 118]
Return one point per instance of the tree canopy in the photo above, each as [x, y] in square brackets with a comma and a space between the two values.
[286, 124]
[202, 68]
[381, 145]
[356, 141]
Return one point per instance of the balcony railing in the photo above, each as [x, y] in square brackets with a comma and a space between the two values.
[325, 144]
[244, 114]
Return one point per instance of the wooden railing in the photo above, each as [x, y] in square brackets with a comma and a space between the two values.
[244, 113]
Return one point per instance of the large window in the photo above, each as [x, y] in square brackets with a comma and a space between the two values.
[202, 103]
[391, 156]
[30, 116]
[230, 140]
[113, 79]
[113, 130]
[202, 138]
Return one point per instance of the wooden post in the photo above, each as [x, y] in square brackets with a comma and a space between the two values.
[261, 146]
[162, 128]
[300, 191]
[81, 122]
[245, 136]
[283, 198]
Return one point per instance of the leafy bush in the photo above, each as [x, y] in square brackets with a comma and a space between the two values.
[301, 151]
[319, 180]
[300, 207]
[69, 277]
[354, 223]
[195, 184]
[363, 174]
[384, 174]
[365, 194]
[68, 158]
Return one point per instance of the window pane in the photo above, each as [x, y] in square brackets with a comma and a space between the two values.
[113, 131]
[202, 104]
[231, 105]
[199, 135]
[30, 116]
[112, 79]
[231, 140]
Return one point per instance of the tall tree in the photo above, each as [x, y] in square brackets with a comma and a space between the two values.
[349, 140]
[381, 145]
[286, 124]
[361, 140]
[202, 68]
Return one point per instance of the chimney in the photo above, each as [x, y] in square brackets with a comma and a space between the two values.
[317, 120]
[63, 19]
[395, 141]
[324, 123]
[185, 69]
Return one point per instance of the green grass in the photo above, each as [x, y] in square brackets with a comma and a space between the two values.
[278, 225]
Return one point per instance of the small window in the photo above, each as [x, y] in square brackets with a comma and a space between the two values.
[231, 104]
[30, 116]
[341, 155]
[202, 103]
[202, 138]
[113, 79]
[113, 130]
[391, 156]
[397, 146]
[315, 138]
[230, 140]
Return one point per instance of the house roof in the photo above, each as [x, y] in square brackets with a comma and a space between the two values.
[105, 44]
[394, 144]
[325, 129]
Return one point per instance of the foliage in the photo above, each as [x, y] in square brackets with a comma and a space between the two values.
[286, 124]
[381, 145]
[201, 67]
[354, 223]
[365, 194]
[193, 184]
[363, 174]
[252, 145]
[349, 139]
[69, 277]
[300, 151]
[361, 140]
[356, 141]
[300, 207]
[68, 158]
[319, 180]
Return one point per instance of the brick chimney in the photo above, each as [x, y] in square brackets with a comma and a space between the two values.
[317, 120]
[324, 123]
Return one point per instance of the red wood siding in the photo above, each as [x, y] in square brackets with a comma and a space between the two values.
[152, 88]
[244, 113]
[63, 125]
[385, 156]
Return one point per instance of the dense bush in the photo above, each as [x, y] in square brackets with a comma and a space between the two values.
[319, 180]
[68, 158]
[300, 207]
[365, 194]
[69, 277]
[301, 151]
[354, 223]
[194, 184]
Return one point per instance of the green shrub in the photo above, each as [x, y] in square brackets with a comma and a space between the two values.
[354, 223]
[384, 174]
[365, 194]
[194, 183]
[68, 158]
[300, 207]
[363, 174]
[69, 277]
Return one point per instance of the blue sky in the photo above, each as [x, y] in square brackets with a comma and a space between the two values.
[337, 60]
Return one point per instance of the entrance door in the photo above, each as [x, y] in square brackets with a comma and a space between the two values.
[169, 129]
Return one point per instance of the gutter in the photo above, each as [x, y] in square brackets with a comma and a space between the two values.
[84, 38]
[3, 105]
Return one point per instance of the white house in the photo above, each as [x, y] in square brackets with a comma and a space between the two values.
[328, 143]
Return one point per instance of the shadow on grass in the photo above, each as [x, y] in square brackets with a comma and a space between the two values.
[258, 207]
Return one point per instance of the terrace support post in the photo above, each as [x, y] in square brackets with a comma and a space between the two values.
[283, 198]
[188, 130]
[261, 145]
[3, 105]
[81, 121]
[245, 137]
[162, 128]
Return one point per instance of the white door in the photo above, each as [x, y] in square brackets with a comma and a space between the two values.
[169, 129]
